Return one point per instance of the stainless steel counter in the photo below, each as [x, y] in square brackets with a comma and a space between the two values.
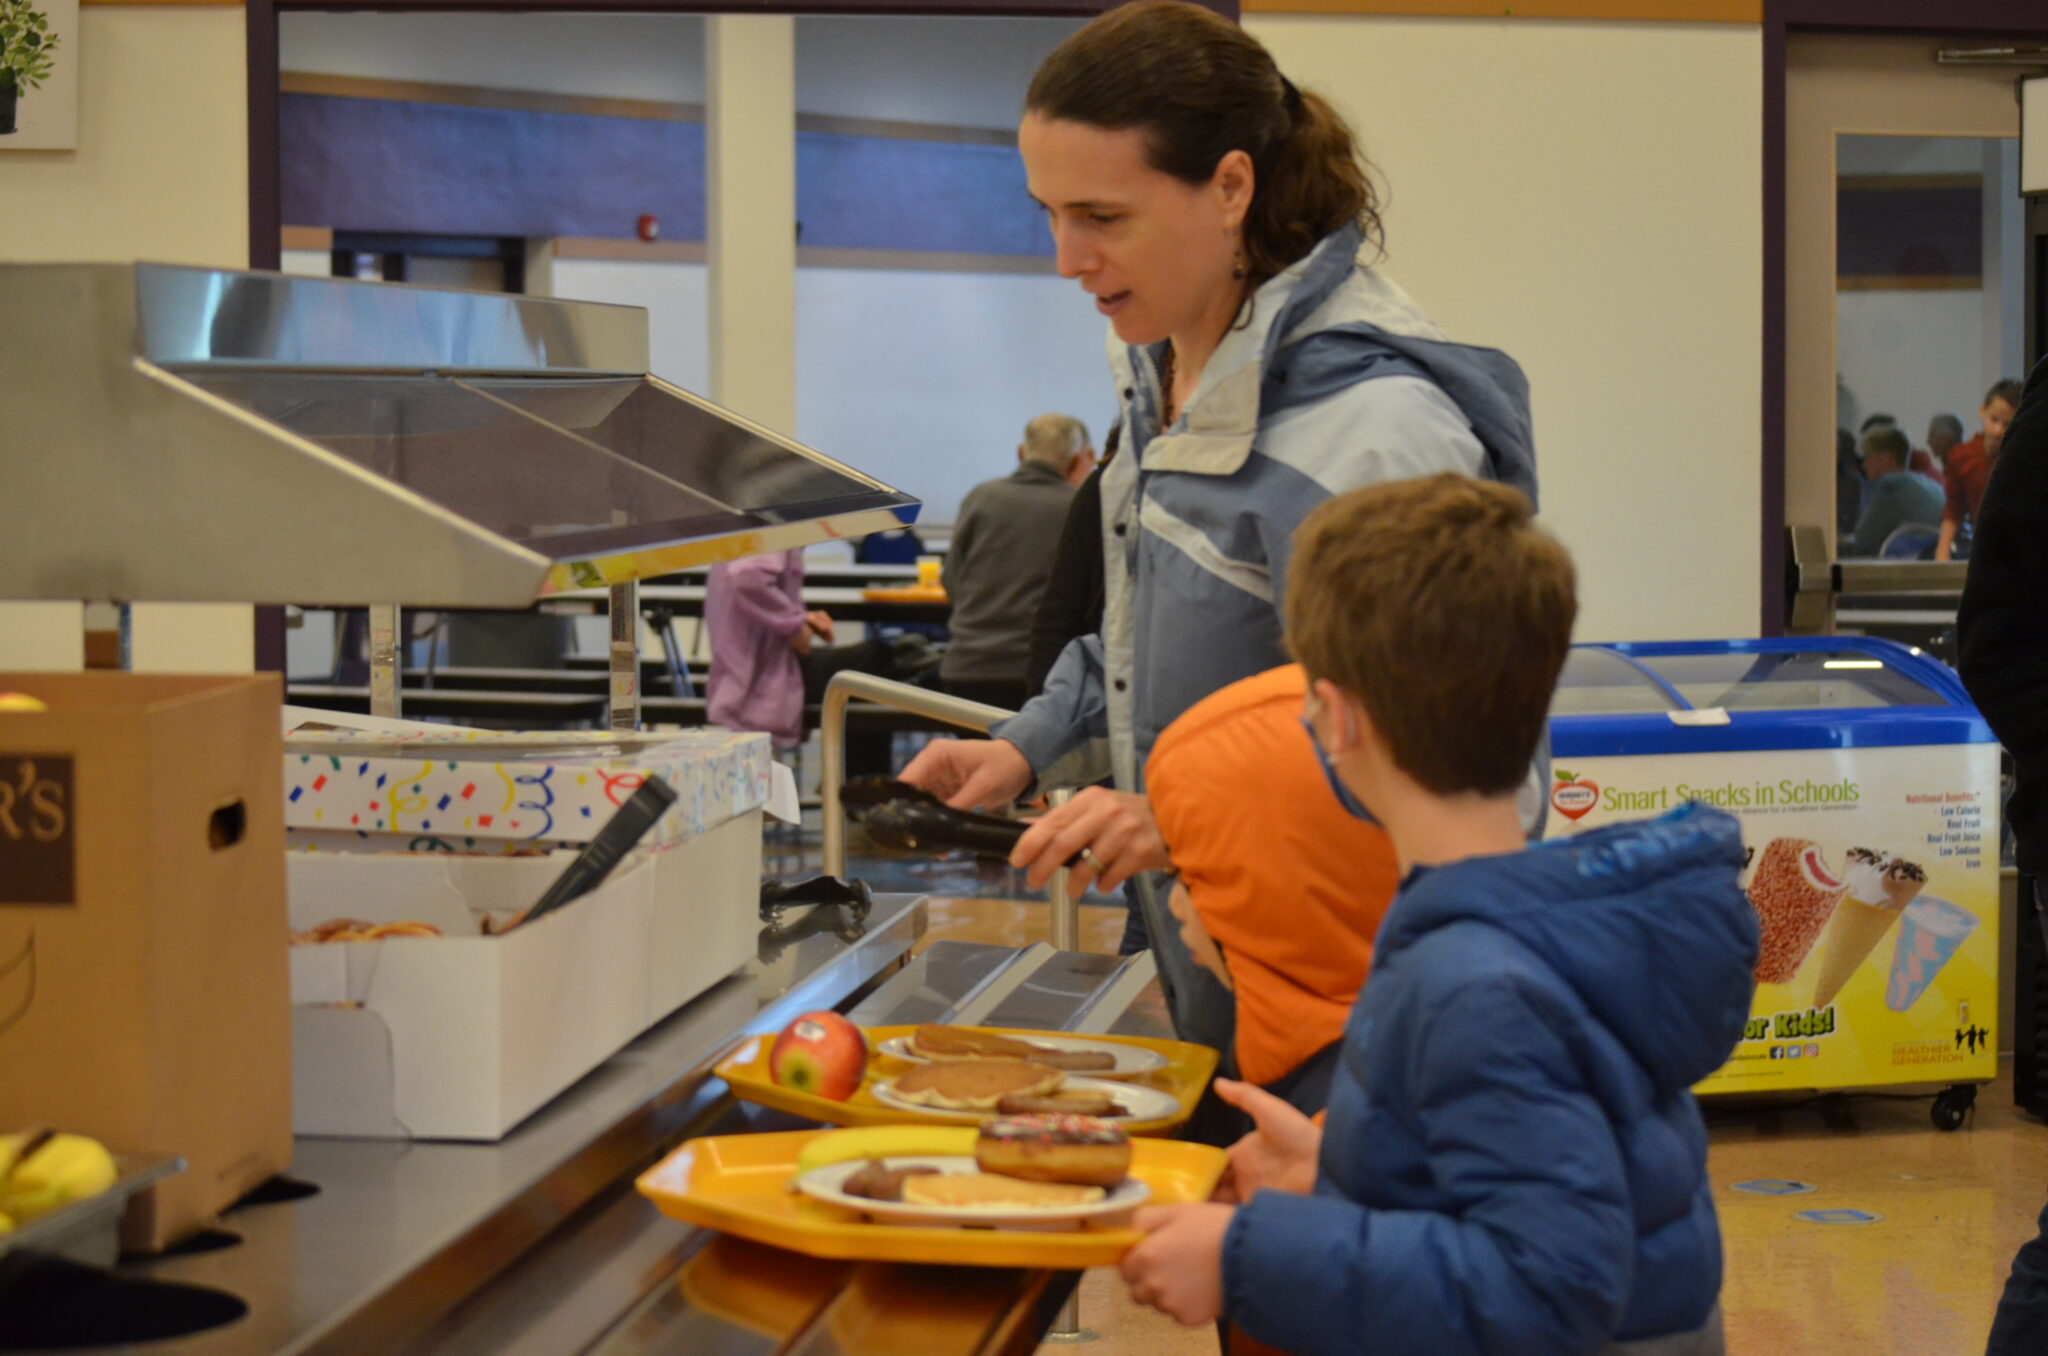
[539, 1244]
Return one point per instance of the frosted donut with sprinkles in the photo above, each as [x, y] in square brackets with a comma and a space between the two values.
[1076, 1149]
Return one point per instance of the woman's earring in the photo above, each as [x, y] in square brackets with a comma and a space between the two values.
[1237, 268]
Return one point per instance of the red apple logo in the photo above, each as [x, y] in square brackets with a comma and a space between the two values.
[1572, 797]
[820, 1053]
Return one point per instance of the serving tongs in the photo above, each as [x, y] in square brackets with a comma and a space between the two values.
[901, 816]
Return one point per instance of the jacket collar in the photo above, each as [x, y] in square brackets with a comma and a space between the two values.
[1036, 472]
[1214, 435]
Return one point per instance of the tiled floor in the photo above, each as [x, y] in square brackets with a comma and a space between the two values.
[1920, 1281]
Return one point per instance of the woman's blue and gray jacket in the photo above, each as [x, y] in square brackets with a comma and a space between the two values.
[1335, 381]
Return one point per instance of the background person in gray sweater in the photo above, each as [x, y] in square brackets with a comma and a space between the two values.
[1001, 556]
[1897, 497]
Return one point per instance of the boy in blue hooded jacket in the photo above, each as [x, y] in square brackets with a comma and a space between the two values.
[1513, 1163]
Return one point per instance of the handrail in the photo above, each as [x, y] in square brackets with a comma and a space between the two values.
[1815, 582]
[968, 715]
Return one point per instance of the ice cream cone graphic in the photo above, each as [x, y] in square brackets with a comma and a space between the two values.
[1793, 892]
[1878, 890]
[1931, 931]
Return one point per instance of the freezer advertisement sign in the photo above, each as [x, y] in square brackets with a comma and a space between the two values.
[1874, 874]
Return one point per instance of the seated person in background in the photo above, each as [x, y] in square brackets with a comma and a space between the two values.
[1918, 459]
[1897, 498]
[754, 612]
[1849, 485]
[1278, 891]
[1944, 431]
[1968, 468]
[1513, 1163]
[1002, 553]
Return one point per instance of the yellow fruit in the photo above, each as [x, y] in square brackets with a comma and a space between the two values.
[6, 1225]
[21, 703]
[886, 1141]
[67, 1168]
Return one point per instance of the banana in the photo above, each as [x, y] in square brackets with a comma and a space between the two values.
[55, 1172]
[886, 1141]
[6, 1224]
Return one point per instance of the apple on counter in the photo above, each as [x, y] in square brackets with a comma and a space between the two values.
[820, 1053]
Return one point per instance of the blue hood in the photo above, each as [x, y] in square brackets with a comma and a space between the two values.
[1645, 921]
[1486, 384]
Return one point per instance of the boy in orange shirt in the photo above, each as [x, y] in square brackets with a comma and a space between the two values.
[1279, 890]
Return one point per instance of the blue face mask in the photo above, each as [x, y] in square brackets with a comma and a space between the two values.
[1337, 787]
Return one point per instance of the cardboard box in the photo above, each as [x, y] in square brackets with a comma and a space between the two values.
[144, 994]
[464, 1036]
[449, 789]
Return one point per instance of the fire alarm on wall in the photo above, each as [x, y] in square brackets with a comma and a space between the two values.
[648, 227]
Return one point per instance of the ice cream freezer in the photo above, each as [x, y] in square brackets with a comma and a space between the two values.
[1868, 790]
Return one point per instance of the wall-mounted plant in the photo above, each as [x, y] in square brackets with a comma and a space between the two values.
[27, 53]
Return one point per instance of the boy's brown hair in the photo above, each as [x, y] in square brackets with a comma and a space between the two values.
[1441, 606]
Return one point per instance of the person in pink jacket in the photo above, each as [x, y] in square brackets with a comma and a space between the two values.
[755, 613]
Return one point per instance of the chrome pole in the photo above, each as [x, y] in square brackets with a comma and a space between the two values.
[1066, 1328]
[386, 654]
[1066, 910]
[624, 610]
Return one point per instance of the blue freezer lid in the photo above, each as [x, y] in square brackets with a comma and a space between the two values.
[1827, 692]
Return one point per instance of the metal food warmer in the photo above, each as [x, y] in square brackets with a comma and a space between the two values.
[189, 434]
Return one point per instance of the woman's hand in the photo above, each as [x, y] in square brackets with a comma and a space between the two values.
[1116, 827]
[970, 774]
[1280, 1154]
[819, 624]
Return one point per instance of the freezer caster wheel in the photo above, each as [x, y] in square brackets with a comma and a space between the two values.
[1950, 1107]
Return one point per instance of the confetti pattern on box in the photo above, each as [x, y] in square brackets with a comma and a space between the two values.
[538, 788]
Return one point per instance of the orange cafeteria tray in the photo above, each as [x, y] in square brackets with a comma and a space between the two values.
[913, 593]
[1187, 1073]
[740, 1184]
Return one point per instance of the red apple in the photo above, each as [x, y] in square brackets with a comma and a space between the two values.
[820, 1053]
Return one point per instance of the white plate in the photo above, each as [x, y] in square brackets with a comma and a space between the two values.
[1131, 1060]
[824, 1184]
[1138, 1103]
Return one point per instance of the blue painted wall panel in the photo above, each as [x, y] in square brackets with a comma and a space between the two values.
[384, 165]
[442, 169]
[887, 194]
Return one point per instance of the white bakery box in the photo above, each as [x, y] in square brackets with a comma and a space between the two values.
[463, 1036]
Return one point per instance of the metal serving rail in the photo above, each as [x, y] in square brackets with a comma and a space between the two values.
[978, 716]
[539, 1246]
[1913, 601]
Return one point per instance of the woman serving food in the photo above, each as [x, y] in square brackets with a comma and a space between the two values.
[1224, 222]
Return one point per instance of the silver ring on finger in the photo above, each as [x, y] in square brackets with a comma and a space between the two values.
[1087, 855]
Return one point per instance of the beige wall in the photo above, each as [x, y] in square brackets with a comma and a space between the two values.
[161, 172]
[1587, 196]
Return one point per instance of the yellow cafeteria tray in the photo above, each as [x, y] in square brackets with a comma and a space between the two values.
[740, 1184]
[1187, 1073]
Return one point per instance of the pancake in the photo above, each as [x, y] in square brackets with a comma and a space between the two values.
[985, 1189]
[974, 1085]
